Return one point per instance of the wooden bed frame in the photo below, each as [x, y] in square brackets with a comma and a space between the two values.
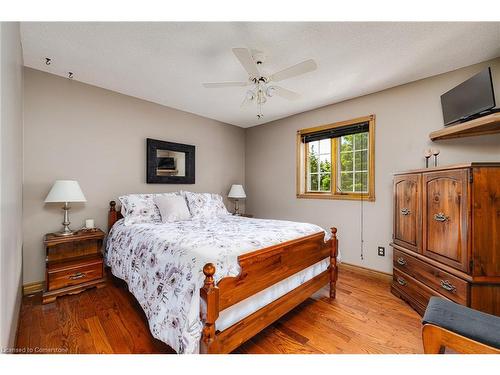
[260, 269]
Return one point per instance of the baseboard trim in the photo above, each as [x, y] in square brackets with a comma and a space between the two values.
[349, 265]
[33, 288]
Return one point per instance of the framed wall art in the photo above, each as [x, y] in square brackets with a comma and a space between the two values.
[169, 162]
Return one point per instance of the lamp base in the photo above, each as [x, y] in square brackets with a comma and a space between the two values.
[236, 208]
[63, 233]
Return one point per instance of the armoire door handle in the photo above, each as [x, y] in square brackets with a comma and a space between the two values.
[441, 217]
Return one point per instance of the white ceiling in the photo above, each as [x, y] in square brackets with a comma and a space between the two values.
[166, 62]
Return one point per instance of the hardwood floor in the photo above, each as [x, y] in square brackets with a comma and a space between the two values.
[364, 318]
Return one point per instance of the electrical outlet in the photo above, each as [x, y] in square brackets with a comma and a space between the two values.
[381, 251]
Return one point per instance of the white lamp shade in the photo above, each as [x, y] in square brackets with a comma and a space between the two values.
[65, 191]
[237, 192]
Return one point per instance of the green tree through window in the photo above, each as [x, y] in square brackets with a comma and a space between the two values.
[353, 163]
[319, 163]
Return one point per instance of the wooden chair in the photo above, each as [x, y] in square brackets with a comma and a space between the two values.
[464, 330]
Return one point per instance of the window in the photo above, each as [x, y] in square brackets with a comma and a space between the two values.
[336, 161]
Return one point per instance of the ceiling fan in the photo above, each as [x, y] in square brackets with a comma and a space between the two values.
[263, 87]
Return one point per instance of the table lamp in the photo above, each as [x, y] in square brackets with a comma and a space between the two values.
[236, 193]
[65, 191]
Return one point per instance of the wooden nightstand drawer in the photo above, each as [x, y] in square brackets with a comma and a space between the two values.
[73, 273]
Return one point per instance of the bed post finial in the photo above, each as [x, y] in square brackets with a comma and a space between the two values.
[112, 215]
[209, 309]
[333, 262]
[209, 271]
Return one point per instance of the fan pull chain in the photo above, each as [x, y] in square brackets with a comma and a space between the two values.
[362, 240]
[260, 115]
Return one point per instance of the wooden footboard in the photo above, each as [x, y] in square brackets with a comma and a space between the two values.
[259, 270]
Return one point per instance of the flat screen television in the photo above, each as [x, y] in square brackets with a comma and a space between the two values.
[468, 99]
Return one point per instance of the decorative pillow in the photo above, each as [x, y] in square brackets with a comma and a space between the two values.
[139, 208]
[205, 205]
[172, 207]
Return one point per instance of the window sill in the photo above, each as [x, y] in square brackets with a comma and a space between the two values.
[352, 197]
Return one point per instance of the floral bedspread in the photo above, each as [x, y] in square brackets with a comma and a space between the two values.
[162, 265]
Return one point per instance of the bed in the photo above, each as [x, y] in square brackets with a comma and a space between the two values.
[208, 286]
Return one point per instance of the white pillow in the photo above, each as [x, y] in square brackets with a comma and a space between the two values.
[172, 207]
[205, 205]
[139, 208]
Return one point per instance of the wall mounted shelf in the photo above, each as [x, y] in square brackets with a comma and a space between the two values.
[484, 125]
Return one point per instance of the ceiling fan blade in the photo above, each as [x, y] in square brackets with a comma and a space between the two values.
[295, 70]
[214, 85]
[285, 93]
[245, 58]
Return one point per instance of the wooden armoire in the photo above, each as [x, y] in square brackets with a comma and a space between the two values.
[446, 238]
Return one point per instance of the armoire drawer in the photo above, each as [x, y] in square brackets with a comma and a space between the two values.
[418, 294]
[443, 282]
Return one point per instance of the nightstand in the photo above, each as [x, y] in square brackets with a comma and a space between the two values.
[73, 263]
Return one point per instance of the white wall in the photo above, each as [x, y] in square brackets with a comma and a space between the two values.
[11, 171]
[76, 131]
[405, 115]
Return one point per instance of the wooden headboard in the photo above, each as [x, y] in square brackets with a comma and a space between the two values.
[113, 215]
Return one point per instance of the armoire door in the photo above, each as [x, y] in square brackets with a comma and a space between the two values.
[445, 211]
[407, 214]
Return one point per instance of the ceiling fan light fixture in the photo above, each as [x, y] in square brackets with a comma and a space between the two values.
[250, 95]
[261, 97]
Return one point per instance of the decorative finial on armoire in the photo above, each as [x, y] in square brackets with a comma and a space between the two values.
[435, 153]
[427, 155]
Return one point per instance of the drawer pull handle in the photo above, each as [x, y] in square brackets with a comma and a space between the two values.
[441, 217]
[401, 261]
[402, 281]
[446, 285]
[78, 275]
[405, 211]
